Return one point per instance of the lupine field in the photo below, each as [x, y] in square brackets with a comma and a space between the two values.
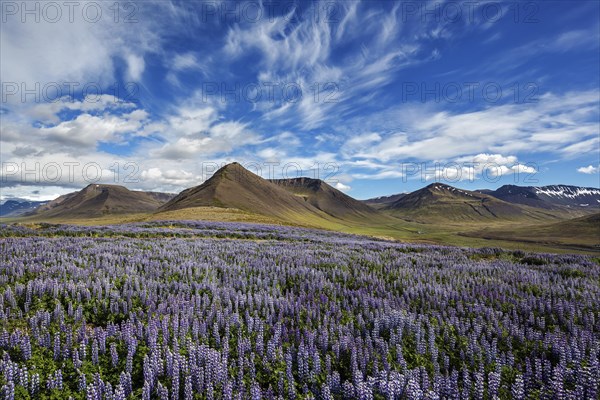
[230, 311]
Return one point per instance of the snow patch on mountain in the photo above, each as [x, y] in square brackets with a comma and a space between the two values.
[566, 191]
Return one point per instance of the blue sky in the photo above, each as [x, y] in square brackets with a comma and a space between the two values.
[377, 97]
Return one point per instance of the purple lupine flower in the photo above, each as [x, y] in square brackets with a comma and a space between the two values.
[57, 352]
[255, 392]
[517, 388]
[82, 385]
[162, 392]
[558, 382]
[413, 389]
[175, 381]
[188, 393]
[119, 393]
[34, 384]
[129, 362]
[241, 309]
[91, 393]
[8, 391]
[146, 391]
[26, 348]
[95, 352]
[493, 384]
[125, 382]
[114, 355]
[326, 393]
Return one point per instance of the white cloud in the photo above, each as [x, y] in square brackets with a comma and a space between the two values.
[306, 45]
[191, 121]
[271, 154]
[358, 142]
[385, 174]
[563, 42]
[170, 177]
[299, 52]
[105, 119]
[192, 131]
[494, 165]
[86, 130]
[564, 124]
[469, 168]
[81, 51]
[452, 173]
[185, 61]
[47, 112]
[485, 158]
[466, 168]
[36, 193]
[523, 169]
[376, 43]
[583, 147]
[342, 187]
[590, 169]
[137, 115]
[60, 169]
[200, 138]
[135, 67]
[49, 171]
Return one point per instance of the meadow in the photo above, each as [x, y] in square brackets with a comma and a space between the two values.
[215, 310]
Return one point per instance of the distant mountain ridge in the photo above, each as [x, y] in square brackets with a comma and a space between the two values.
[299, 200]
[382, 201]
[18, 207]
[549, 197]
[556, 216]
[440, 202]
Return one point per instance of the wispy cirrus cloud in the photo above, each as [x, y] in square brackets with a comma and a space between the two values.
[303, 50]
[571, 41]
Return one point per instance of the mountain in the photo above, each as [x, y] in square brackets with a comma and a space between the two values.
[233, 186]
[439, 202]
[550, 197]
[98, 200]
[530, 216]
[161, 197]
[300, 200]
[325, 198]
[383, 201]
[18, 207]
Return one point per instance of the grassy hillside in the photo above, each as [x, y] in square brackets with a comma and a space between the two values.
[578, 233]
